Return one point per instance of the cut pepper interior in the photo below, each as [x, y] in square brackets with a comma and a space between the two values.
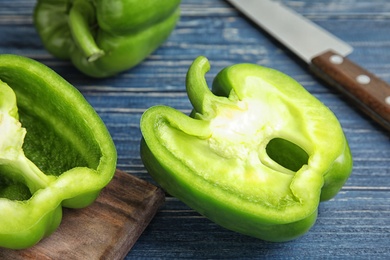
[256, 155]
[19, 177]
[55, 151]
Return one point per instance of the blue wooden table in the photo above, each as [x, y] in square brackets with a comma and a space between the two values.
[355, 224]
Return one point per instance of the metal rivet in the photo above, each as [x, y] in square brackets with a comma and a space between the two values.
[336, 59]
[387, 100]
[363, 79]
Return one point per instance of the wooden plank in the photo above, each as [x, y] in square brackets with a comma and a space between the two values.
[105, 230]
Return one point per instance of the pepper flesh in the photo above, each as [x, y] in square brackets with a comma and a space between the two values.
[104, 37]
[257, 155]
[55, 151]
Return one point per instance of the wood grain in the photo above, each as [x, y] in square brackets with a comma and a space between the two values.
[107, 229]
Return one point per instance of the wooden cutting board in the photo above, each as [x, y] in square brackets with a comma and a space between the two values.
[105, 230]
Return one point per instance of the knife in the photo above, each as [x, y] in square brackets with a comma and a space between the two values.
[324, 53]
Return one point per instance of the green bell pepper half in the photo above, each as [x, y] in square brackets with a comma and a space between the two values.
[55, 151]
[104, 37]
[257, 156]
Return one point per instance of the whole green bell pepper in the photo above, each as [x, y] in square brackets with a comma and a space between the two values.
[54, 151]
[104, 37]
[256, 157]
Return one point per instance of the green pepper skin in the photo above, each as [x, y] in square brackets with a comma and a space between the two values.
[66, 158]
[257, 156]
[104, 37]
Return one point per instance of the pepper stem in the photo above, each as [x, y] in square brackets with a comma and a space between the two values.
[197, 89]
[81, 19]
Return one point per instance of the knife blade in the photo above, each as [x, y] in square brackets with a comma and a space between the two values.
[324, 53]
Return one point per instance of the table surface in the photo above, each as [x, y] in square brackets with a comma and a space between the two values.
[356, 223]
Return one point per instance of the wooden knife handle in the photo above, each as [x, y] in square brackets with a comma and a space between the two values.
[370, 93]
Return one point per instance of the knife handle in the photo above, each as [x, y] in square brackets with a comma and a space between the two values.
[370, 93]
